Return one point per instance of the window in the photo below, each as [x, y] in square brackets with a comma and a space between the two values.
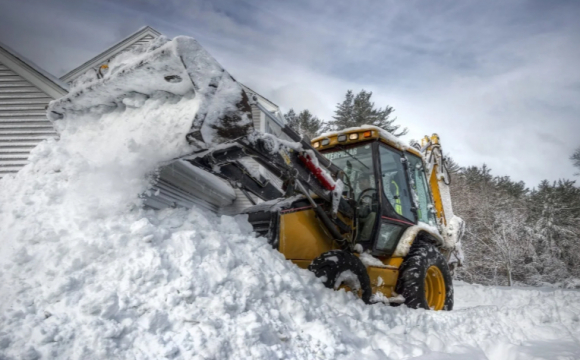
[388, 237]
[395, 183]
[357, 164]
[419, 183]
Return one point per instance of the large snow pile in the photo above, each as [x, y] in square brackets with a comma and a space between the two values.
[86, 273]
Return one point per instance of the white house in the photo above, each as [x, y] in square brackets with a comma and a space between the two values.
[25, 91]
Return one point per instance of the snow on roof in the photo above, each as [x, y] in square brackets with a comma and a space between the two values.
[32, 72]
[111, 52]
[382, 132]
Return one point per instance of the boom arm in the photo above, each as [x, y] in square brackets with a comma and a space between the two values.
[452, 226]
[301, 168]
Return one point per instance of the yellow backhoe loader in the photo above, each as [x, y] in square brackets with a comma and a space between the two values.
[358, 208]
[402, 230]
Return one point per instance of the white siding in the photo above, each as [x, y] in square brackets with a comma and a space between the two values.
[144, 40]
[257, 118]
[23, 122]
[182, 185]
[239, 204]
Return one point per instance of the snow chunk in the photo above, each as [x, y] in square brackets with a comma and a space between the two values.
[368, 260]
[274, 144]
[349, 279]
[453, 232]
[379, 297]
[274, 205]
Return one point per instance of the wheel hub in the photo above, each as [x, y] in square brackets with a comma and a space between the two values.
[435, 288]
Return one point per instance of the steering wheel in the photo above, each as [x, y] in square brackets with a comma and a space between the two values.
[364, 195]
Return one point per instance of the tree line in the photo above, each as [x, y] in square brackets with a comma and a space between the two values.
[353, 111]
[514, 235]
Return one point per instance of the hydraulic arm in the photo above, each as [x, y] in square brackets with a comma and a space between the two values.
[302, 170]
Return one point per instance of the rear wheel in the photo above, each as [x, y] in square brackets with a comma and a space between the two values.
[424, 279]
[341, 269]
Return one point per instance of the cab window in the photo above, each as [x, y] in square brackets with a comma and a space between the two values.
[388, 238]
[357, 164]
[395, 182]
[419, 183]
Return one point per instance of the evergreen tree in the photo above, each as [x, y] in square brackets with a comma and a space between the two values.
[511, 188]
[304, 123]
[292, 120]
[344, 113]
[310, 125]
[359, 110]
[451, 165]
[576, 158]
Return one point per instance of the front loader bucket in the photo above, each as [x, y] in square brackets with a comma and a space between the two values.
[180, 67]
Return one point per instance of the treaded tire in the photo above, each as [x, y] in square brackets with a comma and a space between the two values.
[333, 263]
[411, 282]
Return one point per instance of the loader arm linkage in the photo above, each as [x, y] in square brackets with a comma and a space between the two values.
[293, 164]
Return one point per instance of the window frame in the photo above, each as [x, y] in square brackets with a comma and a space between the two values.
[430, 196]
[378, 187]
[390, 210]
[388, 252]
[385, 212]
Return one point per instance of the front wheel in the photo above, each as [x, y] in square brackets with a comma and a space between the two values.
[424, 279]
[339, 268]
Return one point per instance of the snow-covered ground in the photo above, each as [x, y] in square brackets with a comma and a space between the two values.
[86, 273]
[188, 285]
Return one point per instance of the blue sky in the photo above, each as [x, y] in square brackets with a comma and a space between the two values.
[499, 81]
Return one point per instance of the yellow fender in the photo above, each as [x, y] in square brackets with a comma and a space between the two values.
[410, 235]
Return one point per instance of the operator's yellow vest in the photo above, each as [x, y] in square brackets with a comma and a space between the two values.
[398, 206]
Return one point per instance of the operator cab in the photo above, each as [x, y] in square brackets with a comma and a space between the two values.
[381, 175]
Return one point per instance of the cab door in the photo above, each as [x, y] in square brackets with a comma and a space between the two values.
[425, 209]
[398, 210]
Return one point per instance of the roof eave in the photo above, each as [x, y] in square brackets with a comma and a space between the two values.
[268, 102]
[32, 73]
[110, 52]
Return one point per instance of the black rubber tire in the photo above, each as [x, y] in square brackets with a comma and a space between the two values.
[333, 263]
[411, 282]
